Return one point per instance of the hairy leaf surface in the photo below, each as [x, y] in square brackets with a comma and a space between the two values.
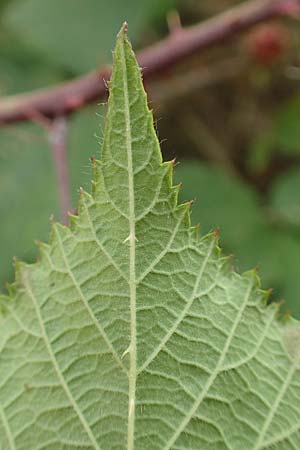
[132, 332]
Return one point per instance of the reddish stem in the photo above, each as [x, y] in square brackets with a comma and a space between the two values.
[57, 139]
[70, 96]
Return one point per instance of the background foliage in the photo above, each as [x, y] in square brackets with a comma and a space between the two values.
[236, 108]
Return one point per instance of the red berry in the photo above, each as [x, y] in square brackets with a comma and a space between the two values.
[267, 43]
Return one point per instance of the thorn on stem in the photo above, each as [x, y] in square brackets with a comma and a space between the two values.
[57, 138]
[174, 22]
[37, 117]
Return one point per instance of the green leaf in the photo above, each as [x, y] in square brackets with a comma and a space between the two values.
[260, 152]
[283, 137]
[22, 68]
[286, 127]
[285, 199]
[132, 332]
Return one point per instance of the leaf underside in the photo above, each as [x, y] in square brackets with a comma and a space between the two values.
[132, 332]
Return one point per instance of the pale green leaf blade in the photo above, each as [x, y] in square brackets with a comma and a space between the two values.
[132, 332]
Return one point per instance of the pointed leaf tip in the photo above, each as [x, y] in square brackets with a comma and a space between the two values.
[123, 30]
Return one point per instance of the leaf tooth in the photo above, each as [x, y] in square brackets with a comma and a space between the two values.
[52, 219]
[61, 230]
[44, 251]
[187, 217]
[274, 305]
[286, 316]
[93, 160]
[212, 237]
[73, 222]
[266, 296]
[257, 268]
[57, 231]
[84, 201]
[3, 309]
[93, 188]
[173, 162]
[176, 189]
[20, 265]
[98, 186]
[20, 268]
[169, 177]
[96, 165]
[253, 275]
[228, 259]
[170, 166]
[226, 262]
[195, 231]
[81, 192]
[216, 232]
[11, 287]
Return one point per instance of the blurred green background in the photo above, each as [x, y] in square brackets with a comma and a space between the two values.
[230, 115]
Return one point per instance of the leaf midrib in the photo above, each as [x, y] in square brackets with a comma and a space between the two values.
[131, 239]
